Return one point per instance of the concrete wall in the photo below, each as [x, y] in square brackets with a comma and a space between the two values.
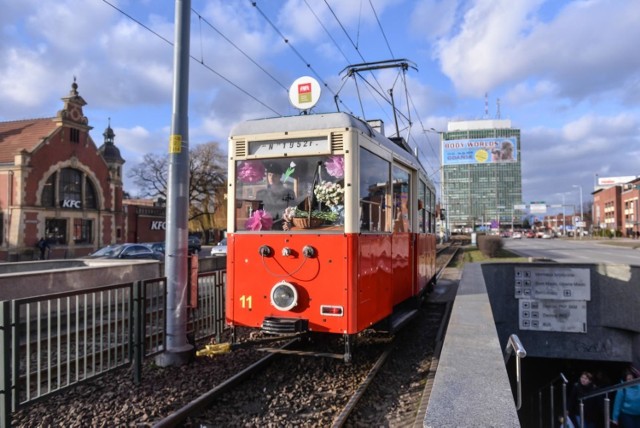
[28, 279]
[613, 315]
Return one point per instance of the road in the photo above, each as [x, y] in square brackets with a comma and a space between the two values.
[576, 250]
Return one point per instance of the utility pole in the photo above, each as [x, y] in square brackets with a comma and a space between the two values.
[178, 350]
[581, 214]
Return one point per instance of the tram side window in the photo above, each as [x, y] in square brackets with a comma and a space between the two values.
[422, 206]
[401, 200]
[374, 191]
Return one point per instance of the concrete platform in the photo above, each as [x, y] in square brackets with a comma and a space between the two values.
[471, 387]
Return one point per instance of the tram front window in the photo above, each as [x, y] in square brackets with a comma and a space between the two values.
[294, 193]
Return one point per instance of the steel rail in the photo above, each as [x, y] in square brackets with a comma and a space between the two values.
[205, 400]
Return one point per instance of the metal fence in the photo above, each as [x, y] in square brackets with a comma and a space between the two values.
[55, 341]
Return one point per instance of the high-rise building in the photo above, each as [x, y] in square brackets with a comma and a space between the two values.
[481, 175]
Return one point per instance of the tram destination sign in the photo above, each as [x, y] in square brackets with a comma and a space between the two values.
[315, 145]
[552, 283]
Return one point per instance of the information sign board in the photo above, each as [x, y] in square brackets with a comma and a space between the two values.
[552, 283]
[553, 315]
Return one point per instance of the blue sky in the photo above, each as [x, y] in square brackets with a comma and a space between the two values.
[566, 73]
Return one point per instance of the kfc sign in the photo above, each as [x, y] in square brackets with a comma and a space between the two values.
[69, 203]
[158, 225]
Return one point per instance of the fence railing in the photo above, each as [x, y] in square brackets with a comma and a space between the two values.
[55, 341]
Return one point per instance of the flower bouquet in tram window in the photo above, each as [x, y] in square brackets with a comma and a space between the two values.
[332, 195]
[307, 218]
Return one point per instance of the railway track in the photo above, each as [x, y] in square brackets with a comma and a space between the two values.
[387, 384]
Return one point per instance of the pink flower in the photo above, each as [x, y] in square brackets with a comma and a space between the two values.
[335, 166]
[251, 171]
[259, 220]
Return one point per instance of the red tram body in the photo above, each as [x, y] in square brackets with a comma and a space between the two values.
[346, 241]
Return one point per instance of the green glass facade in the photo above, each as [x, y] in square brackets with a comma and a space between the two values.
[476, 194]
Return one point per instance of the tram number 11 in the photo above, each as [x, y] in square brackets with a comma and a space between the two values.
[246, 302]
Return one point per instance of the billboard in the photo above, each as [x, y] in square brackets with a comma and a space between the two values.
[612, 181]
[479, 150]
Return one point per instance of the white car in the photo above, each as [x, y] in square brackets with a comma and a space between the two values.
[220, 249]
[517, 235]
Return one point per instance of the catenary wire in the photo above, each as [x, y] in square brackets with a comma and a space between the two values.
[170, 43]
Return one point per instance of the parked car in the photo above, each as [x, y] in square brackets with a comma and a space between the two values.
[194, 245]
[126, 251]
[517, 235]
[220, 249]
[157, 246]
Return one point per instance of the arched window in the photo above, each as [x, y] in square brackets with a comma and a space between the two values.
[69, 188]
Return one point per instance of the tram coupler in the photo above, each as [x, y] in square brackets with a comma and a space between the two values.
[224, 348]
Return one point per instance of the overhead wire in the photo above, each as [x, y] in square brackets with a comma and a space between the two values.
[203, 19]
[368, 86]
[254, 3]
[201, 62]
[381, 29]
[355, 45]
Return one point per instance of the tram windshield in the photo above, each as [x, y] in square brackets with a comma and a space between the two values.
[293, 193]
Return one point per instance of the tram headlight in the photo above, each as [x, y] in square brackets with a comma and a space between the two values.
[284, 296]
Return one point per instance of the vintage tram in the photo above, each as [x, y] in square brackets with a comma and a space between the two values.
[330, 227]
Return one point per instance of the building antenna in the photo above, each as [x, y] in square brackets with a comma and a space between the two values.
[498, 108]
[486, 105]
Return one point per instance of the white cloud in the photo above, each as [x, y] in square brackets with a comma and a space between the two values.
[503, 42]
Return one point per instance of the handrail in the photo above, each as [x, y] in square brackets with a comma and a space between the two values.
[608, 389]
[565, 414]
[515, 346]
[605, 391]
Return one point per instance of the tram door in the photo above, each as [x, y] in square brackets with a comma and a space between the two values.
[401, 250]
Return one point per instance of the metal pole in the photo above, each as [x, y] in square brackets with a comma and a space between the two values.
[552, 407]
[178, 351]
[581, 213]
[564, 225]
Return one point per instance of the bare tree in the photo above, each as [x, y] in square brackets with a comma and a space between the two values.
[207, 177]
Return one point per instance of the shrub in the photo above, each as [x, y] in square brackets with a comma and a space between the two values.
[490, 246]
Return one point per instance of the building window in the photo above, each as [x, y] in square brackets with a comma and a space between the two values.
[56, 230]
[89, 195]
[82, 231]
[71, 189]
[74, 135]
[49, 191]
[70, 185]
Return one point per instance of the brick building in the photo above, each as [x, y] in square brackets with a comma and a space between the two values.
[617, 208]
[630, 208]
[56, 183]
[606, 208]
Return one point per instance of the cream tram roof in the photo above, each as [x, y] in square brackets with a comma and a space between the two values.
[319, 122]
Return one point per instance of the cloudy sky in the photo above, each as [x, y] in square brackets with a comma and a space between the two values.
[567, 73]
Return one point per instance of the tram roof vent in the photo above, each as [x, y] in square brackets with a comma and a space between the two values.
[401, 142]
[377, 124]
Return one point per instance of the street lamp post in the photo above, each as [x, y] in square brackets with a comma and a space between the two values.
[564, 223]
[581, 214]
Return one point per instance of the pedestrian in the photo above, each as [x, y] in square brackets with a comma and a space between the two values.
[583, 387]
[626, 408]
[43, 246]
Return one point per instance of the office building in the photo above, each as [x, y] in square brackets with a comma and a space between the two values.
[481, 175]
